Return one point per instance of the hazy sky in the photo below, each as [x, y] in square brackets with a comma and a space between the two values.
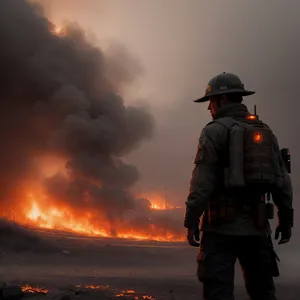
[181, 45]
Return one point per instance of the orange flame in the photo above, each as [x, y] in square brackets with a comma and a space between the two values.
[29, 289]
[54, 218]
[38, 210]
[44, 215]
[127, 294]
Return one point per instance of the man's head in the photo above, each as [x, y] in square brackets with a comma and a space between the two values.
[223, 89]
[217, 102]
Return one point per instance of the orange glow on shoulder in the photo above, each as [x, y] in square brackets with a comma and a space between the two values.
[257, 137]
[251, 117]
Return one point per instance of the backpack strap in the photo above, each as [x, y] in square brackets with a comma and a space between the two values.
[227, 122]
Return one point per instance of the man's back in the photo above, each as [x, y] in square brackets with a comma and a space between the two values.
[229, 219]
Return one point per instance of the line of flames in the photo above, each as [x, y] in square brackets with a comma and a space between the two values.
[63, 219]
[123, 294]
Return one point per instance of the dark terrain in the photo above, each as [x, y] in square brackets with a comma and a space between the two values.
[64, 264]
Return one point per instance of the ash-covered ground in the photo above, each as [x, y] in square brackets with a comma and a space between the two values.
[67, 266]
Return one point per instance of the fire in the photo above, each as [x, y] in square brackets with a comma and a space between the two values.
[29, 289]
[57, 217]
[157, 206]
[40, 211]
[159, 201]
[127, 294]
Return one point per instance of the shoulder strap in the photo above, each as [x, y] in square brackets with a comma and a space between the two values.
[227, 122]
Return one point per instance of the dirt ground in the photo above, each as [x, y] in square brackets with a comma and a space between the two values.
[146, 270]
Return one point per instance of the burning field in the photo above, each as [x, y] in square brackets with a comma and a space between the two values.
[151, 223]
[65, 130]
[70, 292]
[69, 214]
[47, 264]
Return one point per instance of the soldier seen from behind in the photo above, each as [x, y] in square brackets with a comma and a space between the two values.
[238, 166]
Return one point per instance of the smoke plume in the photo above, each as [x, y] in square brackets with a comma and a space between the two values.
[60, 98]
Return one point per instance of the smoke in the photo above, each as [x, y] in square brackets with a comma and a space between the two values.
[60, 97]
[183, 46]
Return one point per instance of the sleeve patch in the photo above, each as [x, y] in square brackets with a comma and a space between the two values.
[200, 150]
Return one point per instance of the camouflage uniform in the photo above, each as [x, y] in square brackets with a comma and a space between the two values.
[224, 242]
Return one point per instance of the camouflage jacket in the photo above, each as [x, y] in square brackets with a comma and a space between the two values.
[206, 180]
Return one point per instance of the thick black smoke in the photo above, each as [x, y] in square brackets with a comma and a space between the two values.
[60, 95]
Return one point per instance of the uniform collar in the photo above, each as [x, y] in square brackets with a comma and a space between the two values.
[236, 110]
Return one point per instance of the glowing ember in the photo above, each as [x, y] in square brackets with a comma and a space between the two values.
[128, 294]
[29, 289]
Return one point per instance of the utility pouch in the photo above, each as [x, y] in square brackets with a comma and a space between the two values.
[220, 210]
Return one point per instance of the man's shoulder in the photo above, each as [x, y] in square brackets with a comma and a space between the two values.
[213, 132]
[212, 139]
[219, 125]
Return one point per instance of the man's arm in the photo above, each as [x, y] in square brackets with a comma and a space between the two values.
[282, 192]
[282, 195]
[204, 174]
